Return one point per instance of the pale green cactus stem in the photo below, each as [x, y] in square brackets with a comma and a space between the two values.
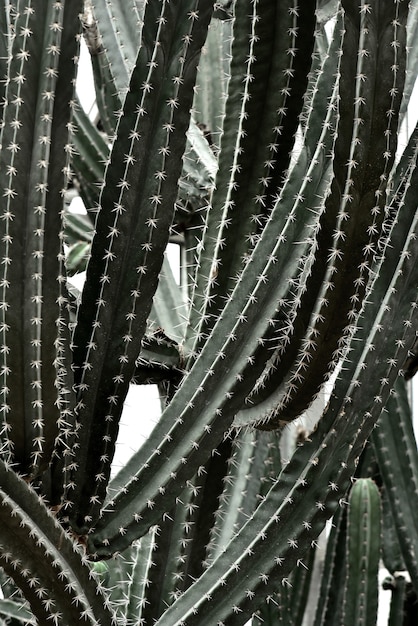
[90, 155]
[34, 160]
[120, 26]
[212, 80]
[363, 554]
[358, 196]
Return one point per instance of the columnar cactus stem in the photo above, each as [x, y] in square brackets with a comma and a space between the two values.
[394, 439]
[273, 41]
[34, 137]
[299, 228]
[133, 225]
[363, 554]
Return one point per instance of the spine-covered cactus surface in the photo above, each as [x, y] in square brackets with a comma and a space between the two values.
[271, 143]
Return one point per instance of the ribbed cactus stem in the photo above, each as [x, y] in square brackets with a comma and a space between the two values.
[34, 166]
[363, 554]
[43, 560]
[133, 227]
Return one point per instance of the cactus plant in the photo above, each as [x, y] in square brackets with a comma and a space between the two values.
[263, 139]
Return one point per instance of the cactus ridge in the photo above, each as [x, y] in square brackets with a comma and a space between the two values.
[32, 181]
[137, 272]
[267, 38]
[363, 553]
[344, 269]
[156, 452]
[37, 553]
[294, 209]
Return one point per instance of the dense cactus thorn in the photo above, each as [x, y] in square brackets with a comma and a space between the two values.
[47, 565]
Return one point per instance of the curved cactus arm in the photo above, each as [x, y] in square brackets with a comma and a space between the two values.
[133, 225]
[337, 442]
[243, 557]
[42, 560]
[256, 278]
[208, 389]
[126, 486]
[334, 291]
[394, 439]
[34, 164]
[363, 554]
[270, 61]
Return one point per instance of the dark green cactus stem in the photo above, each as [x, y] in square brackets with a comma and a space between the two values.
[33, 167]
[43, 560]
[136, 211]
[298, 233]
[207, 381]
[225, 354]
[363, 405]
[89, 158]
[364, 153]
[329, 603]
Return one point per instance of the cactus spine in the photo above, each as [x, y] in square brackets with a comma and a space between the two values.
[262, 138]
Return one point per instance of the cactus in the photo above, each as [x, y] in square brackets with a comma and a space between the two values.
[363, 553]
[263, 139]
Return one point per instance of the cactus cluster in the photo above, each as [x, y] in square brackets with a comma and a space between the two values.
[262, 138]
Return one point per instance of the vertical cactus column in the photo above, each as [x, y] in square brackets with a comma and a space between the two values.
[363, 554]
[35, 373]
[136, 210]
